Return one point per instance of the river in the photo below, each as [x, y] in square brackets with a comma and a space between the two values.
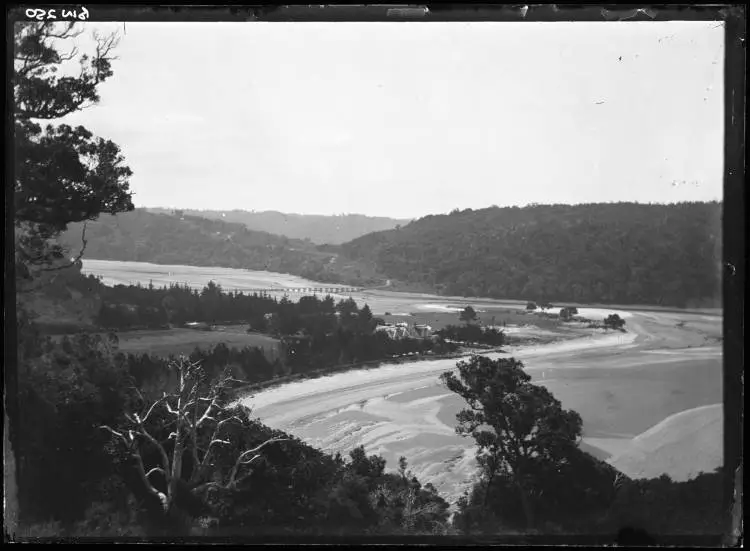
[622, 384]
[650, 398]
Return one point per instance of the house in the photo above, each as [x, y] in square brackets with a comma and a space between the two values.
[397, 331]
[422, 331]
[198, 325]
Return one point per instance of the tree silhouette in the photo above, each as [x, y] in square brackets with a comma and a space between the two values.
[518, 427]
[63, 174]
[468, 315]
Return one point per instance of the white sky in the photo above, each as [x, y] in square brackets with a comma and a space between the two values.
[408, 119]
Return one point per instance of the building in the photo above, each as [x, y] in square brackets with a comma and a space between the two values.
[422, 331]
[198, 325]
[397, 331]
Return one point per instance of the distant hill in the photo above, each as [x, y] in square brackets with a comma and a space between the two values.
[319, 229]
[143, 236]
[611, 253]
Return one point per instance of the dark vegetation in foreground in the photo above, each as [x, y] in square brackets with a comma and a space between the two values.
[77, 478]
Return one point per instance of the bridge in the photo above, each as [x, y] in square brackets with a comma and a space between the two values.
[303, 290]
[333, 289]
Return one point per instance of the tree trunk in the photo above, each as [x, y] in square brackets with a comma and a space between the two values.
[526, 504]
[179, 448]
[489, 488]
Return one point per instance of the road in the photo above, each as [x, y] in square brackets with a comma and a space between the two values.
[622, 384]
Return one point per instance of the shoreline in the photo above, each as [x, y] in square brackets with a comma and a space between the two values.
[714, 311]
[248, 390]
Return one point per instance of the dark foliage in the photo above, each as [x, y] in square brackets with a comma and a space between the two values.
[521, 431]
[65, 389]
[468, 315]
[63, 174]
[618, 253]
[614, 321]
[315, 332]
[661, 506]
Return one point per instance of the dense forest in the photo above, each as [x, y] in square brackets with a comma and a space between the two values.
[315, 333]
[142, 236]
[318, 228]
[612, 253]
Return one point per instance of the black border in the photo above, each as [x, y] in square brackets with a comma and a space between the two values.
[734, 16]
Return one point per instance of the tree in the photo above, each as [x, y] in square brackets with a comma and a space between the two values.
[366, 321]
[198, 418]
[62, 174]
[567, 313]
[518, 426]
[468, 315]
[66, 389]
[531, 305]
[614, 321]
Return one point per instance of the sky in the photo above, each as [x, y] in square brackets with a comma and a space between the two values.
[409, 119]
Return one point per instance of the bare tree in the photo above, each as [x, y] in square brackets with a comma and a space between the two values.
[199, 415]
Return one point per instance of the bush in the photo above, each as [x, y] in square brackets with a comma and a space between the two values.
[613, 321]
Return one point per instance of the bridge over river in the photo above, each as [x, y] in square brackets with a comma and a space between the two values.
[304, 290]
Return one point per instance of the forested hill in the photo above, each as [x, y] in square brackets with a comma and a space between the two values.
[616, 253]
[142, 236]
[317, 228]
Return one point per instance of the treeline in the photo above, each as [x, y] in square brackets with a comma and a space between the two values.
[131, 306]
[142, 236]
[589, 498]
[315, 333]
[615, 253]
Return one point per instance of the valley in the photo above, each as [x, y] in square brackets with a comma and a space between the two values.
[647, 397]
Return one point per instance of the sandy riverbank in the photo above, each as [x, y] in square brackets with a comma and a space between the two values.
[615, 381]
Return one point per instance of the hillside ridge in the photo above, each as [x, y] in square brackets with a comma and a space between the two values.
[317, 228]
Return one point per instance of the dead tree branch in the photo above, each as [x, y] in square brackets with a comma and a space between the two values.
[200, 427]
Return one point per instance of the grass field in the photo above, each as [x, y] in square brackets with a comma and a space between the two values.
[162, 343]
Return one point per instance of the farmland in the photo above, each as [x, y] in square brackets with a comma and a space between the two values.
[183, 341]
[178, 341]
